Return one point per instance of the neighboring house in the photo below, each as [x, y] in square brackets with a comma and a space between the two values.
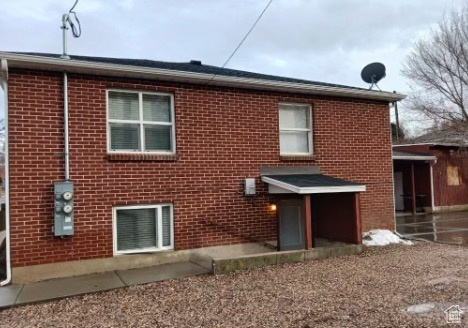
[161, 156]
[431, 172]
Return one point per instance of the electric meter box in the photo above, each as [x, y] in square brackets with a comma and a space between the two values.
[249, 186]
[63, 208]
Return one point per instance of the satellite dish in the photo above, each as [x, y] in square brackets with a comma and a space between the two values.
[373, 73]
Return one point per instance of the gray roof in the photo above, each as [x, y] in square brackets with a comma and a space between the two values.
[193, 72]
[312, 180]
[192, 67]
[450, 136]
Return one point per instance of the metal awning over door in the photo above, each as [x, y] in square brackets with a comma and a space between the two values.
[309, 184]
[295, 188]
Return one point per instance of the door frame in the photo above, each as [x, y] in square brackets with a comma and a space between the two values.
[292, 202]
[398, 175]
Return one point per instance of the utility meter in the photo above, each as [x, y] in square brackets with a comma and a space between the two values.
[68, 208]
[67, 195]
[63, 213]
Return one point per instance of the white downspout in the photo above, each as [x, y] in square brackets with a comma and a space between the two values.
[65, 127]
[432, 184]
[4, 82]
[393, 173]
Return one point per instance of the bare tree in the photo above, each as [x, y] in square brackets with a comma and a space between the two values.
[438, 70]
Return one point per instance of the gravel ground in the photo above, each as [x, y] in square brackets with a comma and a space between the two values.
[373, 289]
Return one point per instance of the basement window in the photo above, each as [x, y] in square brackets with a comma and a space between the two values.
[140, 229]
[295, 129]
[140, 122]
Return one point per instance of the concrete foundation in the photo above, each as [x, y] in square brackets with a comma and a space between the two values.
[451, 208]
[33, 273]
[219, 259]
[243, 262]
[200, 256]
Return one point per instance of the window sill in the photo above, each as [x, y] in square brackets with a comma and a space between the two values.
[297, 158]
[142, 157]
[144, 251]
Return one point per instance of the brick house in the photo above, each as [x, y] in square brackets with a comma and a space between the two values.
[168, 157]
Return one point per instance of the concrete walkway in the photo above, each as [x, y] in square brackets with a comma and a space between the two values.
[65, 287]
[199, 261]
[218, 259]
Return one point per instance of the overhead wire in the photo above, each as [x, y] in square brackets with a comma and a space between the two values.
[248, 33]
[244, 38]
[76, 29]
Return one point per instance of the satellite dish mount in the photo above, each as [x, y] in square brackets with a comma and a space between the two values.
[76, 29]
[372, 74]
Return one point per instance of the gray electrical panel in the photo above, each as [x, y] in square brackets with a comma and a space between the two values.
[63, 208]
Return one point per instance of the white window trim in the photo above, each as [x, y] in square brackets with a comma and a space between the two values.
[157, 248]
[309, 130]
[141, 124]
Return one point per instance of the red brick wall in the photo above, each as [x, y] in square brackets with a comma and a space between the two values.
[223, 136]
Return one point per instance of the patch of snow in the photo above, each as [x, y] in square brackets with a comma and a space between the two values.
[421, 308]
[380, 237]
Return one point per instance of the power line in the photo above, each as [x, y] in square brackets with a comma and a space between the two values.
[76, 29]
[248, 33]
[245, 37]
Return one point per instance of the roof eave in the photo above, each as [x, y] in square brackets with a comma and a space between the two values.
[313, 190]
[434, 144]
[105, 69]
[414, 144]
[3, 70]
[332, 189]
[414, 158]
[441, 144]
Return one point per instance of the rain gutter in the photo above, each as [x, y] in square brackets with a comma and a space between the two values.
[109, 69]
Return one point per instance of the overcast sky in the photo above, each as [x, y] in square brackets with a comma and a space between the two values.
[322, 40]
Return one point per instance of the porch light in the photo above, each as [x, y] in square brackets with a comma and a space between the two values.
[272, 207]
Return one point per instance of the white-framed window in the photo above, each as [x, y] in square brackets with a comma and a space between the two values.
[140, 122]
[295, 129]
[143, 228]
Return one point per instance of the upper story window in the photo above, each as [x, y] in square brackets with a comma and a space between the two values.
[295, 129]
[140, 122]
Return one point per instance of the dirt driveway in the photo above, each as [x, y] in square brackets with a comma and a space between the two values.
[374, 289]
[447, 228]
